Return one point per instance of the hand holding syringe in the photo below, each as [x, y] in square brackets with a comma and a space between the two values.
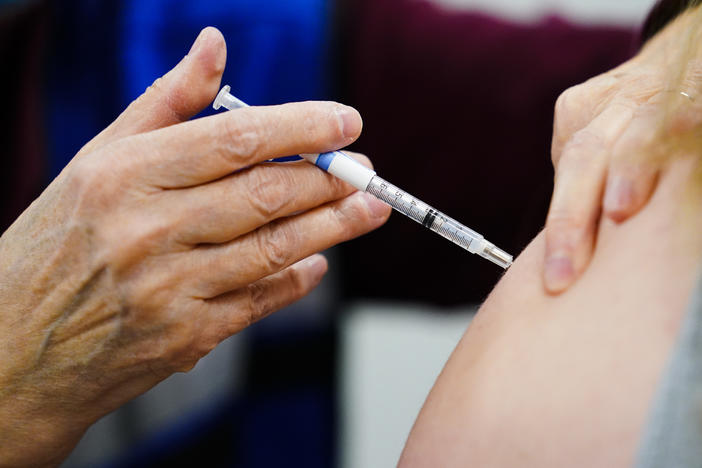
[364, 179]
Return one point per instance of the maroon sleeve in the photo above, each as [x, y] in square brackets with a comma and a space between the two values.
[458, 111]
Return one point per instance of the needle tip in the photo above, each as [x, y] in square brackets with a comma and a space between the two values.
[497, 256]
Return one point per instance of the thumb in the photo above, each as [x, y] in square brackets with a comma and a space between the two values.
[177, 96]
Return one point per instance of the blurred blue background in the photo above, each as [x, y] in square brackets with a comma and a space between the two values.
[277, 52]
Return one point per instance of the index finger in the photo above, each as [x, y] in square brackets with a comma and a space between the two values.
[577, 197]
[206, 149]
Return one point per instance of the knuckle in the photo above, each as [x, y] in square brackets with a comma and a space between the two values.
[347, 218]
[134, 242]
[562, 222]
[268, 190]
[583, 148]
[323, 187]
[296, 284]
[150, 294]
[184, 348]
[556, 148]
[277, 244]
[257, 304]
[242, 140]
[555, 157]
[186, 365]
[155, 87]
[558, 218]
[336, 126]
[88, 171]
[321, 124]
[160, 368]
[170, 350]
[92, 185]
[566, 110]
[569, 102]
[559, 109]
[200, 347]
[153, 235]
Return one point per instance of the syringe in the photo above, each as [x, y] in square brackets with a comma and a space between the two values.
[366, 180]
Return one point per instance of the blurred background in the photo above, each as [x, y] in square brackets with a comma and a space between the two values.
[457, 98]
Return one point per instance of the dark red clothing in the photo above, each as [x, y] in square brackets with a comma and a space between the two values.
[22, 42]
[458, 111]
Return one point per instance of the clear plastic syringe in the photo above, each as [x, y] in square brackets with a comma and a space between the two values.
[364, 179]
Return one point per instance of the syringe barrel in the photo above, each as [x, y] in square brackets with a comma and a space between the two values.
[425, 215]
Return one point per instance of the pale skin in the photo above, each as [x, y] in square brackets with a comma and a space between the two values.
[567, 380]
[543, 380]
[599, 129]
[161, 238]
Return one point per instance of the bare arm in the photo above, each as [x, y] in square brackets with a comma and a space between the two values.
[539, 380]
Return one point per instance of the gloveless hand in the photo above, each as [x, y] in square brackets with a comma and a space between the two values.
[161, 238]
[604, 135]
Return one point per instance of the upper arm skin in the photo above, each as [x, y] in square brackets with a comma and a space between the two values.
[566, 380]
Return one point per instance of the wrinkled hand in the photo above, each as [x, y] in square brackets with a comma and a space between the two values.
[603, 129]
[160, 239]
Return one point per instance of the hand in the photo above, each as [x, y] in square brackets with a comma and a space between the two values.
[160, 239]
[604, 135]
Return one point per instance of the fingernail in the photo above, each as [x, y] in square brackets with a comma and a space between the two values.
[198, 42]
[316, 265]
[376, 208]
[559, 272]
[350, 121]
[619, 194]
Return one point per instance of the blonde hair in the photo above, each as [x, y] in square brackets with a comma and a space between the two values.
[679, 132]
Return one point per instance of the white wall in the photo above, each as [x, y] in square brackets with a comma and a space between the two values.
[630, 12]
[391, 354]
